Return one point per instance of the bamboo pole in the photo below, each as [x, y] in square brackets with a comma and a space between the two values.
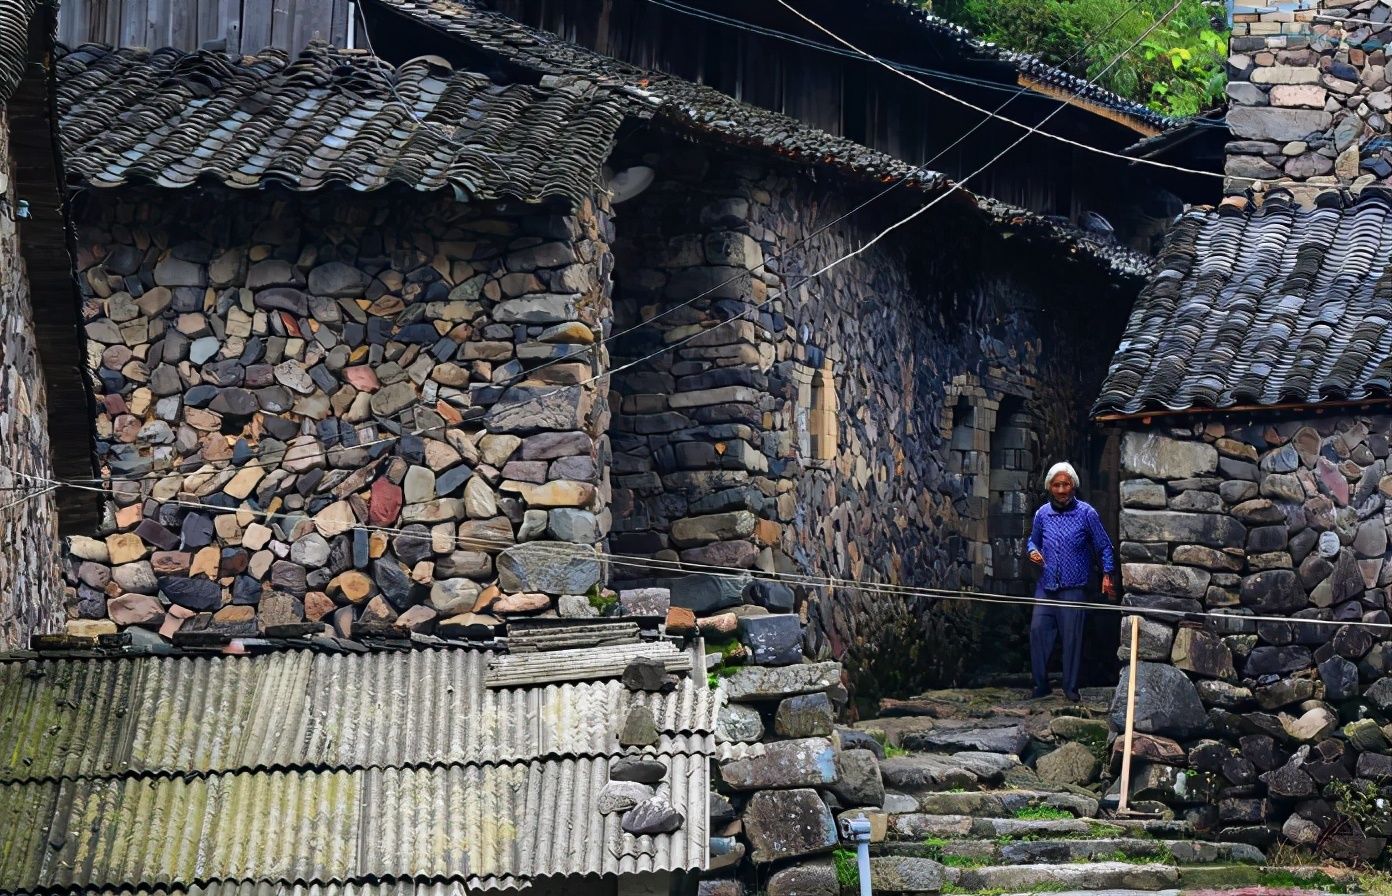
[1122, 807]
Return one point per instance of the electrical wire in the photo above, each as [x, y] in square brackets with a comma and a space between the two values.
[797, 40]
[1021, 91]
[578, 551]
[1078, 144]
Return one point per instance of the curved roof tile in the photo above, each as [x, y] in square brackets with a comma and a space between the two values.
[328, 118]
[1271, 305]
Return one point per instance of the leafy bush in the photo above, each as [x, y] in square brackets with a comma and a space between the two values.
[1177, 69]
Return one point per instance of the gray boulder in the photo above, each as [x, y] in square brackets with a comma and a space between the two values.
[809, 761]
[784, 824]
[1166, 702]
[548, 568]
[859, 782]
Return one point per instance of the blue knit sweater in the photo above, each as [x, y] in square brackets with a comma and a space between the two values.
[1071, 540]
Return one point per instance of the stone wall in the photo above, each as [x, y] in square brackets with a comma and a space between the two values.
[1263, 726]
[720, 455]
[1309, 96]
[333, 409]
[30, 579]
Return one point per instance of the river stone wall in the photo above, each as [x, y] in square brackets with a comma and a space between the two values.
[714, 459]
[1309, 96]
[248, 354]
[1263, 727]
[31, 585]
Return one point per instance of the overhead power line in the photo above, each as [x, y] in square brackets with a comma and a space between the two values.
[684, 567]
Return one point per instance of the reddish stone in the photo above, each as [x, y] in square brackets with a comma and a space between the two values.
[135, 609]
[416, 619]
[362, 378]
[680, 621]
[386, 503]
[170, 563]
[1333, 481]
[521, 603]
[317, 605]
[720, 625]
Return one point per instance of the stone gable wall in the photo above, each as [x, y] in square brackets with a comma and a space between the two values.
[246, 350]
[1286, 518]
[30, 578]
[711, 441]
[1309, 96]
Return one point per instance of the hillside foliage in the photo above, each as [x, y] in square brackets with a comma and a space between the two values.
[1177, 69]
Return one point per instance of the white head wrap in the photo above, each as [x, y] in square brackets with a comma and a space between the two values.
[1061, 467]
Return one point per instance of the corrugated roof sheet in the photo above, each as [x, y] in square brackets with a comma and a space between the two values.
[708, 112]
[167, 715]
[328, 117]
[488, 826]
[521, 669]
[1276, 304]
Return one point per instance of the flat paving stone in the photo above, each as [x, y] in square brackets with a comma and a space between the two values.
[1094, 876]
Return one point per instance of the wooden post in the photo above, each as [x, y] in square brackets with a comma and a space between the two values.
[1122, 807]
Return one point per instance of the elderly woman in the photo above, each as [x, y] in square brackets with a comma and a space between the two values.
[1067, 541]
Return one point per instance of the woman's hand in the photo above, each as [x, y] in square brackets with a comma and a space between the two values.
[1109, 587]
[1036, 558]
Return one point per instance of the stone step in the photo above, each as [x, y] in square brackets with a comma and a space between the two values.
[918, 825]
[1269, 878]
[961, 853]
[1093, 876]
[1004, 803]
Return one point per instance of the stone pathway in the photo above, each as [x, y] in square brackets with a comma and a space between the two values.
[989, 792]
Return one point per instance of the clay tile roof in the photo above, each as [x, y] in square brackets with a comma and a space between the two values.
[716, 116]
[15, 16]
[328, 117]
[1274, 305]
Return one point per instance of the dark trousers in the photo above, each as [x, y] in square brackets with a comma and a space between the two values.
[1047, 623]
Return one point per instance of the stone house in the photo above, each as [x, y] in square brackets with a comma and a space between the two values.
[1249, 391]
[33, 266]
[314, 302]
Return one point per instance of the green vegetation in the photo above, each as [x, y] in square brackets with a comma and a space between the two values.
[1177, 69]
[1282, 878]
[847, 873]
[602, 600]
[1042, 813]
[890, 751]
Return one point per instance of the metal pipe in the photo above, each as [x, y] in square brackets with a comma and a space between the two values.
[858, 829]
[352, 24]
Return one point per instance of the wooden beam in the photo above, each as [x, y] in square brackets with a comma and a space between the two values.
[1071, 99]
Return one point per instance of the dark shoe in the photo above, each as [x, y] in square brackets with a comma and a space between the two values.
[1073, 697]
[1040, 693]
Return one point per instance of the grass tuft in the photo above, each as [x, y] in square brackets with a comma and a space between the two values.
[1042, 813]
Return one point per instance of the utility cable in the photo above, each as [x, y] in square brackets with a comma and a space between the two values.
[579, 551]
[1030, 129]
[649, 321]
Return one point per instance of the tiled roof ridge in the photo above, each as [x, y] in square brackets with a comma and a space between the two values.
[1033, 66]
[705, 110]
[328, 117]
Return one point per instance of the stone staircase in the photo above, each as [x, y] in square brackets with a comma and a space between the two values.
[974, 804]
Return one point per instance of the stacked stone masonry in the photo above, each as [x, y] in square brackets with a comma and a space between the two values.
[340, 410]
[30, 570]
[1270, 724]
[1309, 97]
[716, 459]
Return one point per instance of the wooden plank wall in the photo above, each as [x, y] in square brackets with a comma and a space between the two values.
[238, 26]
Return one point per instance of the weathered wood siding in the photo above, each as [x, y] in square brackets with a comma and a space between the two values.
[244, 25]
